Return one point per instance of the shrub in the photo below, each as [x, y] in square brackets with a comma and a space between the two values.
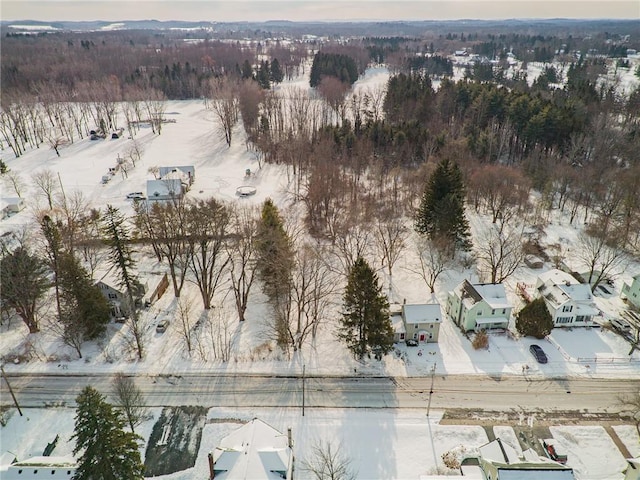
[480, 340]
[534, 320]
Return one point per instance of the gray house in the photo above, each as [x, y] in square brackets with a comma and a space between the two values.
[163, 190]
[187, 173]
[422, 321]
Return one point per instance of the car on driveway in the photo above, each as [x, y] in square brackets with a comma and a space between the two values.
[162, 326]
[620, 325]
[411, 342]
[538, 353]
[135, 196]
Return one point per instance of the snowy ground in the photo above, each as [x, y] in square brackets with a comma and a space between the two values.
[405, 444]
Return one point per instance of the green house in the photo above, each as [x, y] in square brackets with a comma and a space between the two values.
[482, 306]
[632, 291]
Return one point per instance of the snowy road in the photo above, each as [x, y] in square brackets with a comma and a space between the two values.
[453, 391]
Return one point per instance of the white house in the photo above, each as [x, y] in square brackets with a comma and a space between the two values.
[481, 306]
[185, 172]
[167, 189]
[10, 206]
[631, 291]
[633, 469]
[569, 302]
[255, 451]
[36, 468]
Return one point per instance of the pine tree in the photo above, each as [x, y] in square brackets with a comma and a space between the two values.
[534, 319]
[108, 452]
[277, 75]
[118, 239]
[263, 75]
[247, 70]
[83, 303]
[365, 322]
[441, 213]
[275, 262]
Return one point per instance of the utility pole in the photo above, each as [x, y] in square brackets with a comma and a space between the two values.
[303, 372]
[433, 374]
[10, 389]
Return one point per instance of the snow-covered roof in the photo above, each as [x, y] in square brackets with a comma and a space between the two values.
[47, 462]
[493, 294]
[534, 474]
[558, 287]
[164, 188]
[500, 452]
[254, 451]
[398, 324]
[422, 313]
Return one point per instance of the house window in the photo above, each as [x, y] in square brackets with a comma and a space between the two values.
[402, 336]
[564, 319]
[113, 295]
[493, 312]
[431, 325]
[583, 318]
[415, 326]
[504, 311]
[479, 312]
[567, 308]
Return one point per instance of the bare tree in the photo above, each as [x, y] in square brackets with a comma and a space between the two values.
[329, 462]
[47, 182]
[186, 322]
[224, 103]
[500, 253]
[242, 254]
[14, 181]
[435, 258]
[208, 224]
[630, 404]
[390, 236]
[129, 399]
[601, 254]
[216, 328]
[156, 104]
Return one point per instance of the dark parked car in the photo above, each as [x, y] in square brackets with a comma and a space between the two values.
[411, 342]
[538, 353]
[162, 326]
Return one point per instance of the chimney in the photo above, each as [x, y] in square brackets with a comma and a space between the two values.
[289, 438]
[211, 472]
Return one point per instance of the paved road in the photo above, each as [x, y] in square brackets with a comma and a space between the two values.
[452, 391]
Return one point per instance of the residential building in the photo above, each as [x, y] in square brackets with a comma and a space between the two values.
[633, 469]
[35, 468]
[255, 451]
[422, 321]
[569, 302]
[482, 306]
[631, 291]
[116, 296]
[500, 461]
[10, 206]
[167, 189]
[185, 172]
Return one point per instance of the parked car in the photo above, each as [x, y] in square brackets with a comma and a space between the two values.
[620, 325]
[120, 319]
[136, 196]
[538, 353]
[162, 326]
[411, 342]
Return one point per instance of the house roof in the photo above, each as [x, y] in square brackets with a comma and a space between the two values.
[422, 313]
[534, 474]
[398, 324]
[47, 462]
[558, 287]
[493, 294]
[163, 188]
[499, 452]
[254, 451]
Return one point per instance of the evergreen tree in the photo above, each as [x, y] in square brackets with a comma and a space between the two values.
[247, 70]
[441, 212]
[534, 319]
[277, 75]
[85, 311]
[107, 451]
[365, 320]
[274, 264]
[264, 75]
[24, 281]
[118, 239]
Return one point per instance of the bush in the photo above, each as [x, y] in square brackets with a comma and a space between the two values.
[480, 340]
[534, 320]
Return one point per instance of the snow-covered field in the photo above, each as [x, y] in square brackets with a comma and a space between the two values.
[382, 444]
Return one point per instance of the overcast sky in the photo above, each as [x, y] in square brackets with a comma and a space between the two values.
[299, 10]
